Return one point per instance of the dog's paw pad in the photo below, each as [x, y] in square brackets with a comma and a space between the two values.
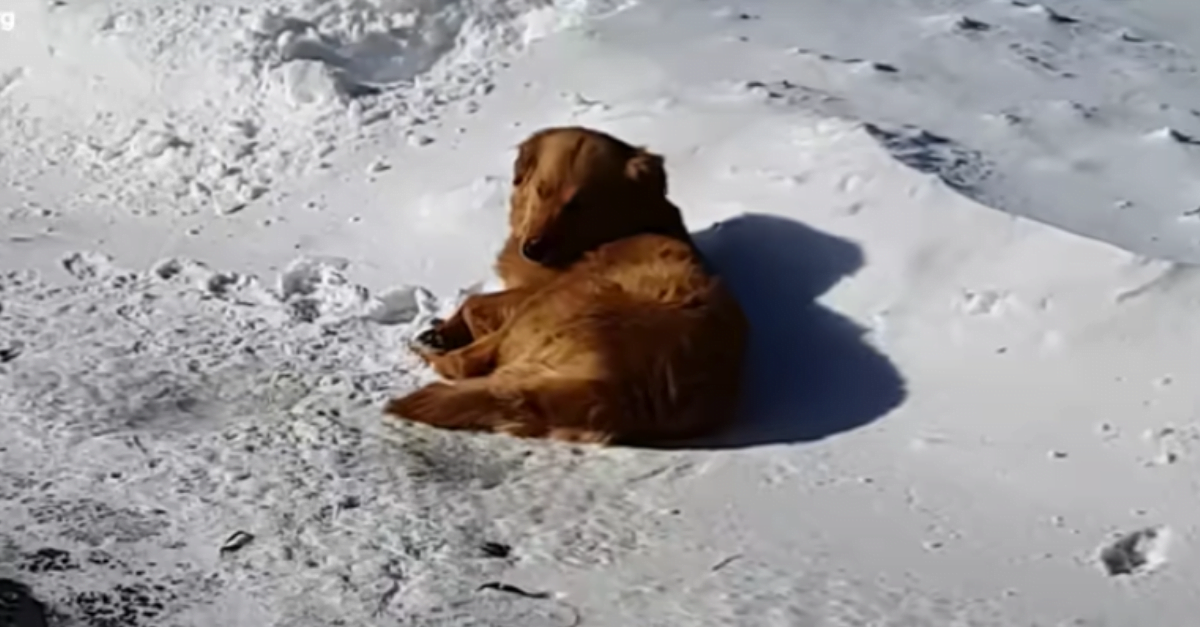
[430, 340]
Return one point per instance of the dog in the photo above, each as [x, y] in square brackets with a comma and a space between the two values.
[595, 168]
[610, 330]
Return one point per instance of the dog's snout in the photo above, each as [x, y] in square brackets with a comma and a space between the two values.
[534, 249]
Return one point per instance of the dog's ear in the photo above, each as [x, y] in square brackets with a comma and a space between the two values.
[526, 159]
[647, 169]
[568, 196]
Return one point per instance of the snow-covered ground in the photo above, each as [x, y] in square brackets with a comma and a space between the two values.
[961, 229]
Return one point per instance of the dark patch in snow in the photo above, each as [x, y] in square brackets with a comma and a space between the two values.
[958, 166]
[1135, 553]
[18, 606]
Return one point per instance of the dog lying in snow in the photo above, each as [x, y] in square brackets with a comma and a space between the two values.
[609, 329]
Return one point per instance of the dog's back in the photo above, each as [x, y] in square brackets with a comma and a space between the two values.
[654, 341]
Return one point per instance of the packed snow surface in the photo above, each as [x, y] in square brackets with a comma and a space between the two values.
[962, 231]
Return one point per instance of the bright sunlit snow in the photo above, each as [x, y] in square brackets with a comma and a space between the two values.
[961, 230]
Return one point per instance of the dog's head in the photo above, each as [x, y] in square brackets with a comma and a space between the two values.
[575, 189]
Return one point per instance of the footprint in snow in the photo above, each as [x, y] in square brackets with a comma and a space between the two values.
[982, 302]
[10, 350]
[1050, 15]
[1135, 553]
[856, 64]
[85, 265]
[1170, 135]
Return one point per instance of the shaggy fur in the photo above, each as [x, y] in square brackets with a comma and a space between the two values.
[610, 329]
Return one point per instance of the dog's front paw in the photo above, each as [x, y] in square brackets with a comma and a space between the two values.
[431, 340]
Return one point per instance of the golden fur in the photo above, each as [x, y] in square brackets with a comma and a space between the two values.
[609, 330]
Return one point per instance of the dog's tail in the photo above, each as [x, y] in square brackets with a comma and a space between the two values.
[547, 408]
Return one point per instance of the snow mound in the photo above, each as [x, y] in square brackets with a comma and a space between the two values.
[208, 106]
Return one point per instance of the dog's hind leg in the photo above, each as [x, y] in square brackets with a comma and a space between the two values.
[544, 407]
[470, 405]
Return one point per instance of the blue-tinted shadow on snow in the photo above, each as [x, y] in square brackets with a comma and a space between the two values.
[809, 373]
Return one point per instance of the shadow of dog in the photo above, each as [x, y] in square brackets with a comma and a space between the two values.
[809, 372]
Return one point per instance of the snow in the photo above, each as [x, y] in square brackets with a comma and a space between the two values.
[962, 230]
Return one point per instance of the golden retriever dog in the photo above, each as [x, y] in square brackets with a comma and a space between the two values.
[610, 329]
